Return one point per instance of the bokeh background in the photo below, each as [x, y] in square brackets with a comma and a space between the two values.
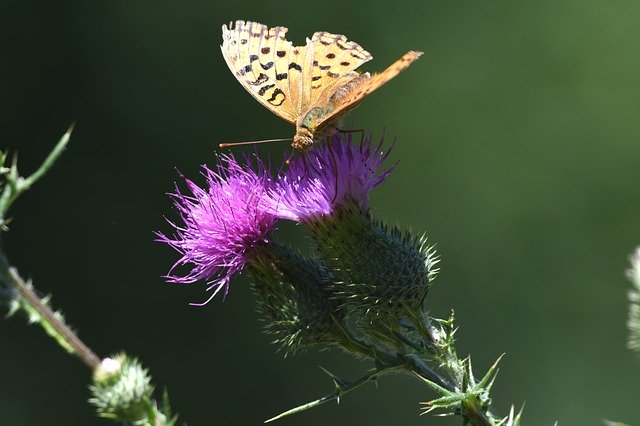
[518, 136]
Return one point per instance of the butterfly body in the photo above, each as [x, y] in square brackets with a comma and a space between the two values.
[311, 86]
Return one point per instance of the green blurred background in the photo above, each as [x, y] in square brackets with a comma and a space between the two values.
[519, 147]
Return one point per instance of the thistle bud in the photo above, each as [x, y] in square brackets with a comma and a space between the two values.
[294, 297]
[378, 270]
[121, 389]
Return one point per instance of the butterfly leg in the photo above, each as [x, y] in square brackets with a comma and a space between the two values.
[334, 164]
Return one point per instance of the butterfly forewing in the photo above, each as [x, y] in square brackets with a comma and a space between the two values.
[259, 59]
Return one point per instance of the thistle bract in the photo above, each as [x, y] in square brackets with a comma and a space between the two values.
[379, 271]
[294, 295]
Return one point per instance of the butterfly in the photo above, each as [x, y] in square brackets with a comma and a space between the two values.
[312, 86]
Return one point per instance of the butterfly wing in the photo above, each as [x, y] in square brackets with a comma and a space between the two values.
[287, 79]
[361, 87]
[268, 66]
[334, 62]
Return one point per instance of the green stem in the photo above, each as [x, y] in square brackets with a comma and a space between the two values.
[10, 275]
[335, 395]
[16, 185]
[51, 158]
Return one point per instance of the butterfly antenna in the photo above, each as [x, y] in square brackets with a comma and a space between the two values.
[228, 144]
[349, 131]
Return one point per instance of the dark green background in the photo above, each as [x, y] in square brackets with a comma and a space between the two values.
[519, 146]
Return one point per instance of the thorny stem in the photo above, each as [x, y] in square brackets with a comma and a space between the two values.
[386, 362]
[11, 276]
[386, 359]
[335, 395]
[389, 361]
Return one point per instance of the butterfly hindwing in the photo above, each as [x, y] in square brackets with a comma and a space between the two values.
[334, 62]
[364, 85]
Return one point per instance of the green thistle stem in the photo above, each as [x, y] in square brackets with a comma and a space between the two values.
[51, 322]
[335, 395]
[16, 185]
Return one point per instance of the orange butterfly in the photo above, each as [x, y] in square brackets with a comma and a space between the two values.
[311, 86]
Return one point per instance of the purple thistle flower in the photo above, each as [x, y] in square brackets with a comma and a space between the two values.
[328, 176]
[221, 225]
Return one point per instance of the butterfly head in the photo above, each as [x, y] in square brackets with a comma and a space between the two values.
[303, 139]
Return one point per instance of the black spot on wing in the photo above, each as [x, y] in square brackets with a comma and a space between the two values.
[273, 100]
[264, 89]
[294, 66]
[262, 78]
[245, 70]
[281, 76]
[267, 65]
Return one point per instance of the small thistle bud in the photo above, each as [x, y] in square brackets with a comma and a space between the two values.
[294, 296]
[121, 389]
[379, 271]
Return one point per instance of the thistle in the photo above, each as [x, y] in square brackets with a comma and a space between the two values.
[363, 288]
[222, 225]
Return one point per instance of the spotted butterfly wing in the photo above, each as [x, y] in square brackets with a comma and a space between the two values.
[311, 86]
[353, 94]
[259, 57]
[288, 79]
[334, 62]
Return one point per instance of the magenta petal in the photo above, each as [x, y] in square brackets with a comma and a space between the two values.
[317, 182]
[220, 224]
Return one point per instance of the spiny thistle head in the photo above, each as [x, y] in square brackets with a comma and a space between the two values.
[121, 389]
[221, 225]
[379, 271]
[329, 175]
[293, 294]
